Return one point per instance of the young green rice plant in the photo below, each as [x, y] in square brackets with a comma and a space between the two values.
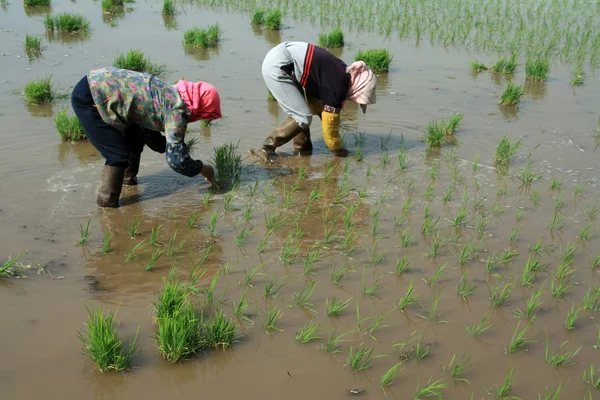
[33, 44]
[332, 39]
[428, 226]
[106, 248]
[533, 304]
[508, 256]
[578, 77]
[371, 290]
[378, 60]
[447, 196]
[274, 220]
[569, 254]
[409, 298]
[518, 340]
[406, 239]
[458, 369]
[560, 357]
[386, 379]
[503, 389]
[480, 328]
[135, 60]
[102, 344]
[376, 256]
[309, 259]
[579, 189]
[219, 332]
[466, 253]
[432, 314]
[40, 91]
[271, 318]
[84, 233]
[585, 233]
[476, 66]
[500, 293]
[169, 8]
[191, 222]
[273, 20]
[133, 226]
[376, 325]
[431, 389]
[572, 317]
[591, 212]
[109, 6]
[271, 290]
[591, 378]
[557, 223]
[36, 3]
[436, 246]
[591, 299]
[562, 281]
[529, 272]
[555, 183]
[67, 23]
[511, 65]
[249, 276]
[452, 123]
[260, 248]
[156, 230]
[360, 359]
[207, 198]
[336, 275]
[461, 218]
[335, 307]
[177, 334]
[332, 345]
[537, 70]
[308, 333]
[435, 134]
[214, 219]
[402, 159]
[514, 234]
[402, 265]
[596, 262]
[240, 308]
[429, 191]
[537, 248]
[156, 254]
[551, 395]
[465, 287]
[302, 299]
[203, 38]
[349, 243]
[511, 95]
[258, 18]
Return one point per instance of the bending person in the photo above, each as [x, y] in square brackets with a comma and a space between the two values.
[122, 110]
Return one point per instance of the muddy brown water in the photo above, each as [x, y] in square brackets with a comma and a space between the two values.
[48, 189]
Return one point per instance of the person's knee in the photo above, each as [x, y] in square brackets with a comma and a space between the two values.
[303, 121]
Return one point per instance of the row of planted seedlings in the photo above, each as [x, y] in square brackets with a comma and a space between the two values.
[342, 234]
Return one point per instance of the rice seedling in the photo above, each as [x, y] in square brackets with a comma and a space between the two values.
[526, 175]
[302, 299]
[560, 357]
[561, 282]
[476, 66]
[402, 264]
[228, 205]
[212, 224]
[461, 218]
[249, 276]
[447, 196]
[429, 191]
[207, 198]
[555, 183]
[332, 345]
[203, 38]
[36, 3]
[378, 60]
[177, 333]
[10, 268]
[258, 18]
[596, 262]
[432, 314]
[335, 307]
[40, 91]
[572, 317]
[219, 332]
[500, 294]
[435, 276]
[132, 227]
[273, 20]
[274, 220]
[452, 123]
[360, 359]
[551, 395]
[102, 344]
[133, 253]
[106, 248]
[67, 23]
[272, 317]
[402, 159]
[240, 308]
[169, 8]
[519, 215]
[431, 389]
[579, 189]
[518, 340]
[336, 275]
[591, 299]
[465, 287]
[480, 328]
[386, 379]
[33, 44]
[502, 390]
[191, 222]
[591, 378]
[578, 77]
[585, 233]
[349, 243]
[373, 289]
[84, 233]
[332, 39]
[537, 70]
[135, 60]
[458, 369]
[537, 248]
[590, 211]
[533, 304]
[260, 248]
[156, 254]
[428, 225]
[514, 234]
[435, 134]
[569, 253]
[466, 253]
[529, 273]
[112, 6]
[308, 333]
[557, 223]
[409, 298]
[508, 256]
[511, 95]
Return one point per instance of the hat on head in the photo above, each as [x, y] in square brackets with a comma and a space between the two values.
[201, 98]
[363, 84]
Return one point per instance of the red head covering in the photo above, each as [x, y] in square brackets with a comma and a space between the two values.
[201, 98]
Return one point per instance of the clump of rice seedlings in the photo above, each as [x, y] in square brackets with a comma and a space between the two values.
[591, 211]
[591, 378]
[332, 39]
[526, 175]
[501, 391]
[560, 357]
[409, 298]
[378, 60]
[228, 163]
[169, 8]
[518, 340]
[33, 44]
[537, 70]
[432, 313]
[360, 359]
[302, 299]
[505, 65]
[273, 20]
[461, 218]
[500, 294]
[66, 22]
[595, 263]
[102, 344]
[372, 290]
[386, 379]
[219, 332]
[452, 123]
[308, 333]
[336, 275]
[466, 253]
[551, 395]
[480, 328]
[135, 60]
[271, 318]
[572, 317]
[69, 128]
[132, 227]
[557, 222]
[332, 345]
[465, 287]
[431, 389]
[514, 234]
[84, 233]
[585, 233]
[568, 255]
[555, 183]
[335, 307]
[154, 232]
[476, 66]
[133, 253]
[110, 6]
[406, 238]
[402, 264]
[435, 276]
[156, 254]
[106, 243]
[578, 77]
[533, 304]
[36, 3]
[456, 370]
[10, 268]
[178, 331]
[562, 280]
[511, 95]
[203, 38]
[258, 18]
[591, 298]
[579, 189]
[40, 91]
[435, 133]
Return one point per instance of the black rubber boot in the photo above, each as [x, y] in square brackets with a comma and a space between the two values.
[130, 178]
[280, 136]
[111, 183]
[302, 143]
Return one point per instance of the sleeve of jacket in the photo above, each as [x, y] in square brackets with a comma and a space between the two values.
[177, 154]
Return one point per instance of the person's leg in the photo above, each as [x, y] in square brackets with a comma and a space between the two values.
[302, 142]
[107, 140]
[135, 142]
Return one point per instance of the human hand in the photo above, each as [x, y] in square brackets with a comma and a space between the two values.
[341, 152]
[208, 173]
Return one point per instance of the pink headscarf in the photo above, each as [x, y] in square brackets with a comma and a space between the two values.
[201, 98]
[362, 84]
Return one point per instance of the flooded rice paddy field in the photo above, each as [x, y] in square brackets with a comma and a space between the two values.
[380, 229]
